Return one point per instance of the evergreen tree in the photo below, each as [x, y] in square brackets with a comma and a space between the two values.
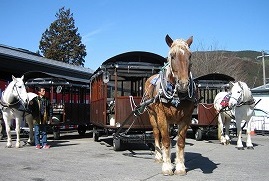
[62, 41]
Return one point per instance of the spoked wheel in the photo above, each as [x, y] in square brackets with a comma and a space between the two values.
[151, 146]
[96, 134]
[117, 144]
[198, 134]
[56, 133]
[81, 130]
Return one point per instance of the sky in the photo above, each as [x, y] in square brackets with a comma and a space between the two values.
[112, 27]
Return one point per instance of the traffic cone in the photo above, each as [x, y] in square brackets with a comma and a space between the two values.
[252, 129]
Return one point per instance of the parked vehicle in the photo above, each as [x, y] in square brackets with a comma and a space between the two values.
[260, 121]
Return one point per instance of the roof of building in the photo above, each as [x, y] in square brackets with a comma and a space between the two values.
[26, 60]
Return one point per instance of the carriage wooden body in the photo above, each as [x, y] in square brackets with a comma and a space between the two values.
[70, 101]
[117, 87]
[205, 120]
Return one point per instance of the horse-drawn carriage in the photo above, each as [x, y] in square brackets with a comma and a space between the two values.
[117, 88]
[205, 120]
[69, 98]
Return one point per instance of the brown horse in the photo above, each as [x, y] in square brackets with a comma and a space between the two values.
[173, 91]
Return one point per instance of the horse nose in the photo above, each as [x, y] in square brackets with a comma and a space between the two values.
[231, 105]
[184, 85]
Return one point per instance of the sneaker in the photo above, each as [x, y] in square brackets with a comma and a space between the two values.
[37, 147]
[46, 147]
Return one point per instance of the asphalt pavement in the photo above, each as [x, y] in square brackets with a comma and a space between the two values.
[80, 158]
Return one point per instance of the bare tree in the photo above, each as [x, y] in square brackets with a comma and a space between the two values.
[217, 61]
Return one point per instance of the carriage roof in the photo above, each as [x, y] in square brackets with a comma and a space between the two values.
[215, 76]
[35, 78]
[213, 80]
[132, 64]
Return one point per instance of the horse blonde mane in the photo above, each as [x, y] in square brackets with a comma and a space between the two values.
[180, 44]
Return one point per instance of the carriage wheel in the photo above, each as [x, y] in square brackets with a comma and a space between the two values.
[81, 130]
[151, 146]
[95, 134]
[198, 134]
[56, 134]
[117, 144]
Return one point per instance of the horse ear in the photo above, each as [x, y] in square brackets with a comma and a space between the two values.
[168, 40]
[22, 77]
[231, 84]
[13, 78]
[189, 41]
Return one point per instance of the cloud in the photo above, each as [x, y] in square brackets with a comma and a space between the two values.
[88, 36]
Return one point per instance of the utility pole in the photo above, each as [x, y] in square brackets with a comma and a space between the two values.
[263, 67]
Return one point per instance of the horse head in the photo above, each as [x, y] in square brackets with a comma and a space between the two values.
[237, 93]
[179, 55]
[16, 90]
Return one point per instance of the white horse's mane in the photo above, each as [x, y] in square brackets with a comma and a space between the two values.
[247, 93]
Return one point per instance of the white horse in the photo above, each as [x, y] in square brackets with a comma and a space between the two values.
[236, 104]
[13, 104]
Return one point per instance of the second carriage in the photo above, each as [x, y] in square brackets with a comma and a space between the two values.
[69, 98]
[205, 120]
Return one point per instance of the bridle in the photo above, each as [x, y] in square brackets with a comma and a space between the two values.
[164, 79]
[18, 98]
[240, 100]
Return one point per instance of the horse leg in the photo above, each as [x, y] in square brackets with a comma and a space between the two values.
[157, 137]
[29, 120]
[7, 125]
[1, 129]
[239, 134]
[18, 131]
[180, 160]
[249, 143]
[166, 150]
[227, 129]
[221, 119]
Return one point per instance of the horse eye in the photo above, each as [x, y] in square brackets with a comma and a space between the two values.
[238, 91]
[172, 55]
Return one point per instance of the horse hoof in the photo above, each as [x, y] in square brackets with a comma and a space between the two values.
[250, 148]
[168, 173]
[180, 172]
[240, 148]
